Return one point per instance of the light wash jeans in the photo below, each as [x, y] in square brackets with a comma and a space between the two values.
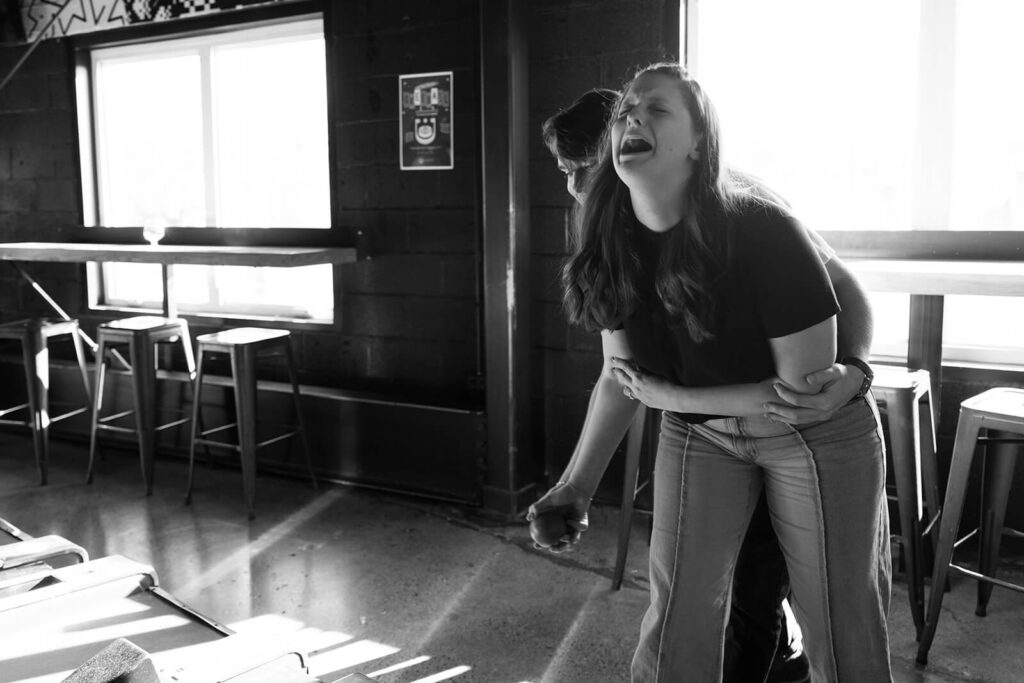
[825, 485]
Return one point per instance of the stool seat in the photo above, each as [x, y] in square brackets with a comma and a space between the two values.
[45, 326]
[149, 324]
[243, 345]
[141, 334]
[895, 378]
[239, 336]
[34, 335]
[999, 404]
[1000, 412]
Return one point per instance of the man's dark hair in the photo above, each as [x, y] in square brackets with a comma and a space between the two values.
[575, 132]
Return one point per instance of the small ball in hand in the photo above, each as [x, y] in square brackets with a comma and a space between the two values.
[548, 528]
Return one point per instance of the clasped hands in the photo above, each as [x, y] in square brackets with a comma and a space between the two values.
[839, 383]
[572, 504]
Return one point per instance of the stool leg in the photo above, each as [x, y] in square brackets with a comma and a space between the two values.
[904, 459]
[143, 359]
[97, 404]
[297, 398]
[952, 508]
[186, 346]
[35, 357]
[195, 430]
[630, 477]
[76, 339]
[1000, 461]
[243, 368]
[929, 474]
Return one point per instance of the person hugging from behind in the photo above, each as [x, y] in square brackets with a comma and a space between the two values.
[715, 306]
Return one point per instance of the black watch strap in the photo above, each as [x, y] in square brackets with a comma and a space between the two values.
[869, 374]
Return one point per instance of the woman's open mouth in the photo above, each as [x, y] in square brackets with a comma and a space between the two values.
[631, 146]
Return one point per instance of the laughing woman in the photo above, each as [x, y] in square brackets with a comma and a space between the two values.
[718, 296]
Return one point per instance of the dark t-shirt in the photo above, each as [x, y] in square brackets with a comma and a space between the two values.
[775, 284]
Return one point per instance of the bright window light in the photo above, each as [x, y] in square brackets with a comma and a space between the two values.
[879, 115]
[226, 130]
[270, 118]
[818, 99]
[988, 140]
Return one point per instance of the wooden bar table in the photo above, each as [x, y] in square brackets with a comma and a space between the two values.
[168, 256]
[938, 278]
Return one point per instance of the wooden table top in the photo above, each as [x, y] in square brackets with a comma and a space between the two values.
[80, 252]
[988, 278]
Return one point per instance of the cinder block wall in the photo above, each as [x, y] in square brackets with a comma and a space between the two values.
[408, 330]
[409, 312]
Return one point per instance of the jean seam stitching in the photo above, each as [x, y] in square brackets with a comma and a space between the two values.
[819, 510]
[675, 557]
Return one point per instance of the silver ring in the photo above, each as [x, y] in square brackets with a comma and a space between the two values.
[629, 394]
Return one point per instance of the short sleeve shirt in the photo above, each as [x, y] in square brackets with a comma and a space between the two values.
[774, 284]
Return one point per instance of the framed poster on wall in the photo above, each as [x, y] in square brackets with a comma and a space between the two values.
[425, 106]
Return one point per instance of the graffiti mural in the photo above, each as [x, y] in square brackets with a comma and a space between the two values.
[86, 16]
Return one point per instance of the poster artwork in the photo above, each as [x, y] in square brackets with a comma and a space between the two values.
[426, 121]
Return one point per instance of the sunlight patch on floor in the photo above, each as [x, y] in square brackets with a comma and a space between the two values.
[245, 554]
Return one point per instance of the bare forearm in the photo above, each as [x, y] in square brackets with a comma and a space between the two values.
[734, 400]
[608, 417]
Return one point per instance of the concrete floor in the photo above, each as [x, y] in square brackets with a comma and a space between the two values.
[408, 590]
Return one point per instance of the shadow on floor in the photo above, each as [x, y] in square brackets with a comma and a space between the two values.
[409, 590]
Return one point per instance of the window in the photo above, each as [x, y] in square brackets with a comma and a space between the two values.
[223, 130]
[879, 115]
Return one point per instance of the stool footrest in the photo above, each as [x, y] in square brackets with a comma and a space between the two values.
[213, 442]
[70, 413]
[115, 428]
[999, 439]
[8, 411]
[965, 538]
[214, 430]
[932, 522]
[116, 416]
[989, 579]
[175, 423]
[282, 437]
[217, 444]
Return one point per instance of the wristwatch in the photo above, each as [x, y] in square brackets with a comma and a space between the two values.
[869, 375]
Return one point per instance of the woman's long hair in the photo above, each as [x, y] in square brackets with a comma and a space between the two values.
[601, 277]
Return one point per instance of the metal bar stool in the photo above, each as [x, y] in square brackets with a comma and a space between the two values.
[912, 439]
[243, 345]
[34, 336]
[141, 334]
[996, 410]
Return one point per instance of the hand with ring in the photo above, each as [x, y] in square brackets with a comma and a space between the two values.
[640, 385]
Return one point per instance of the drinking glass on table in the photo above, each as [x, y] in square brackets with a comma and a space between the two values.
[153, 231]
